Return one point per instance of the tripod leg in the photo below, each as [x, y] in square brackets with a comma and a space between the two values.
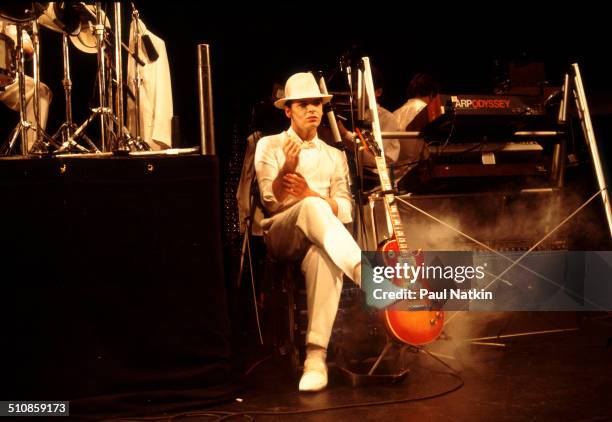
[60, 132]
[91, 143]
[10, 144]
[388, 346]
[38, 145]
[71, 143]
[49, 140]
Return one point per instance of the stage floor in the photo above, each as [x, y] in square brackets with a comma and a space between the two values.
[565, 375]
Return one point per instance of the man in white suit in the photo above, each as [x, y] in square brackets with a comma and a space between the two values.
[304, 186]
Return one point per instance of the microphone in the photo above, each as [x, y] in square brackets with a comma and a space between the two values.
[149, 48]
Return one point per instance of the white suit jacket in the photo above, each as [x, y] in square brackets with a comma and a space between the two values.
[156, 108]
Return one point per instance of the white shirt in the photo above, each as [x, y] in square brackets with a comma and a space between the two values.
[324, 168]
[411, 150]
[406, 113]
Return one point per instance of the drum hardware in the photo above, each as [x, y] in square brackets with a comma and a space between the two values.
[140, 144]
[20, 130]
[68, 128]
[62, 17]
[121, 143]
[86, 41]
[43, 140]
[66, 18]
[77, 20]
[23, 125]
[80, 24]
[113, 135]
[124, 140]
[102, 111]
[36, 68]
[72, 20]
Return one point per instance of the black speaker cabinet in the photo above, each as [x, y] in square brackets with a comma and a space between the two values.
[111, 276]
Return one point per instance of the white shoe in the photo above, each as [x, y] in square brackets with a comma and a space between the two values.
[315, 374]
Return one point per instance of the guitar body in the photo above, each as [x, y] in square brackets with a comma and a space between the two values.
[411, 327]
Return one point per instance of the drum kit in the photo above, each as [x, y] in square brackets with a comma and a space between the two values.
[88, 29]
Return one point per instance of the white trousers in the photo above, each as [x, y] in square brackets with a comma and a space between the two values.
[10, 97]
[311, 232]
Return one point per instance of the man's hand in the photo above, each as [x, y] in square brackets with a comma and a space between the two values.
[291, 149]
[280, 188]
[295, 184]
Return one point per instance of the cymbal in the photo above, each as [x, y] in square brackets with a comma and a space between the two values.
[85, 40]
[61, 17]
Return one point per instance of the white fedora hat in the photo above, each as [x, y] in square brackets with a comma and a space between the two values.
[300, 86]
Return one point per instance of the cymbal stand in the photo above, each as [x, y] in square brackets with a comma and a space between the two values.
[119, 140]
[103, 111]
[140, 144]
[24, 125]
[68, 128]
[124, 141]
[43, 140]
[36, 74]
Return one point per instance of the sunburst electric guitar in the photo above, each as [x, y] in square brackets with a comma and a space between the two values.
[409, 326]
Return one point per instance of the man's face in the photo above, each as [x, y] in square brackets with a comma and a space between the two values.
[305, 114]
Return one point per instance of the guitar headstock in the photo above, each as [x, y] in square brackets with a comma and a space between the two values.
[367, 139]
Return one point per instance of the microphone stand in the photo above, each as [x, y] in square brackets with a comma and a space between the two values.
[354, 179]
[331, 115]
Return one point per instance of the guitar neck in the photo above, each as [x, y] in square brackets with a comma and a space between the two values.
[394, 215]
